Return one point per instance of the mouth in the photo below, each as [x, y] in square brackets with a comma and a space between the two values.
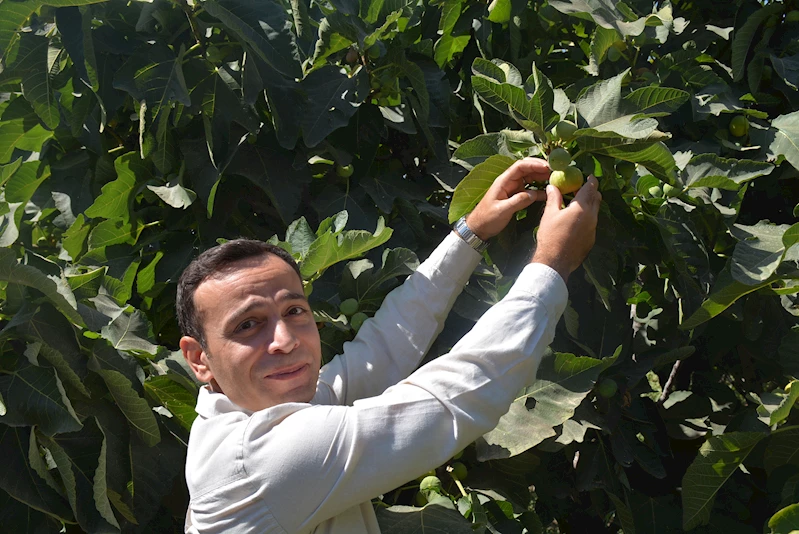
[289, 372]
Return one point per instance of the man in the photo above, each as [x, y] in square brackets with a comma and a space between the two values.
[279, 446]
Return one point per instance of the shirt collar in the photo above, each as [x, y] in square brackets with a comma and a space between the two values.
[210, 404]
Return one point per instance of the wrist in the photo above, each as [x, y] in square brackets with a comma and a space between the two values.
[555, 263]
[465, 232]
[474, 225]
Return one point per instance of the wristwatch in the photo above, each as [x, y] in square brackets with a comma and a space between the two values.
[463, 230]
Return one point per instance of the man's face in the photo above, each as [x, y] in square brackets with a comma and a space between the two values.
[262, 345]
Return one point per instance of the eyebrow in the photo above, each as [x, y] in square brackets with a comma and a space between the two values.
[283, 297]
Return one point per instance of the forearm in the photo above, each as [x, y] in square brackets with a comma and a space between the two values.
[390, 345]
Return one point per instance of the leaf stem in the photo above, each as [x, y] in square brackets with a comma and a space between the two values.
[667, 387]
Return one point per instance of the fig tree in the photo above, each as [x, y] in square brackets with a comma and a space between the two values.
[568, 180]
[348, 307]
[559, 159]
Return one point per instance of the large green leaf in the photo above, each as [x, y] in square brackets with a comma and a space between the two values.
[742, 37]
[474, 186]
[759, 251]
[786, 521]
[74, 25]
[35, 61]
[35, 396]
[176, 398]
[449, 45]
[530, 105]
[781, 449]
[786, 138]
[655, 100]
[709, 170]
[605, 13]
[154, 75]
[20, 128]
[58, 293]
[20, 187]
[788, 69]
[718, 458]
[436, 517]
[129, 332]
[116, 197]
[724, 292]
[264, 26]
[271, 168]
[135, 408]
[333, 98]
[14, 14]
[81, 461]
[20, 479]
[331, 248]
[562, 382]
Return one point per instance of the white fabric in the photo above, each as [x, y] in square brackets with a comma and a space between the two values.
[298, 468]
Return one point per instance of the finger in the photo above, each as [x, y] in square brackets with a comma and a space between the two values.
[588, 195]
[554, 199]
[526, 171]
[523, 199]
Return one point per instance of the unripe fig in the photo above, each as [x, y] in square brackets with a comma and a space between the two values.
[607, 388]
[348, 307]
[459, 471]
[559, 159]
[739, 126]
[357, 320]
[568, 180]
[430, 483]
[564, 130]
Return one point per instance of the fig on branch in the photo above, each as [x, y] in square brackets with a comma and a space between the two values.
[670, 191]
[458, 471]
[568, 180]
[564, 130]
[739, 126]
[348, 307]
[345, 171]
[430, 483]
[607, 388]
[357, 320]
[559, 159]
[656, 191]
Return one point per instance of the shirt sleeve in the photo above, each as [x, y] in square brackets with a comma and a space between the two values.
[390, 345]
[353, 453]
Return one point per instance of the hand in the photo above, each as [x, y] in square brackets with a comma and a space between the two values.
[566, 235]
[506, 196]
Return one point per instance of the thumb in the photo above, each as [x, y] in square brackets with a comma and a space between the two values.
[554, 199]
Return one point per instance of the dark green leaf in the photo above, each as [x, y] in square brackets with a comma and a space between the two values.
[709, 170]
[719, 457]
[474, 186]
[333, 98]
[437, 517]
[35, 396]
[176, 398]
[265, 28]
[154, 75]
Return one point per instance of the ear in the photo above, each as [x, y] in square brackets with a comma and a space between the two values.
[196, 358]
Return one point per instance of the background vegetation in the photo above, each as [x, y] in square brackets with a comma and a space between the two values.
[135, 134]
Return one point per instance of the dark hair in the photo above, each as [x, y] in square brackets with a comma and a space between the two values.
[211, 262]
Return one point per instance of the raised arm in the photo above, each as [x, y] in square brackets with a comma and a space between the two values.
[390, 345]
[353, 453]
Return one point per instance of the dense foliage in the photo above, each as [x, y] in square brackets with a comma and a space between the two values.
[352, 132]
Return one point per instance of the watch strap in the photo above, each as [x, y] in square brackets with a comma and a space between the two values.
[463, 230]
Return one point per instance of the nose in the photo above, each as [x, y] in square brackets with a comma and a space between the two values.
[283, 339]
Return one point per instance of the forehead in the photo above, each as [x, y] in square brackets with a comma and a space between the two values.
[264, 275]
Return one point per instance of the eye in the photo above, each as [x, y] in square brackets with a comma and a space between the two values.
[296, 310]
[246, 325]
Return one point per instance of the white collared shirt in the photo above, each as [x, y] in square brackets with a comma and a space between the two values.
[374, 422]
